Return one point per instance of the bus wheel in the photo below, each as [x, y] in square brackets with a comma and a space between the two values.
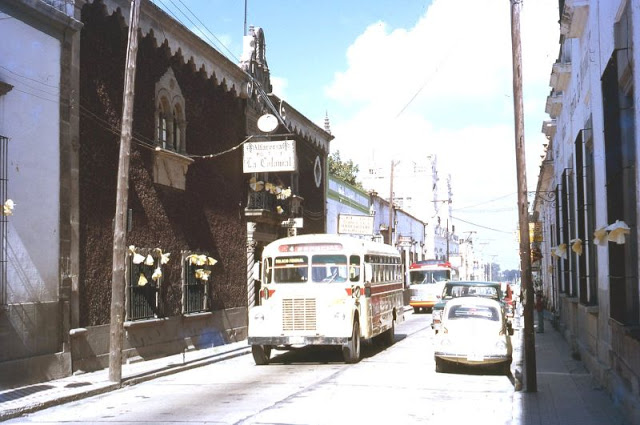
[261, 354]
[416, 310]
[351, 350]
[441, 366]
[389, 336]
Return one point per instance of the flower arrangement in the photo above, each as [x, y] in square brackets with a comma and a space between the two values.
[7, 207]
[202, 273]
[275, 189]
[149, 261]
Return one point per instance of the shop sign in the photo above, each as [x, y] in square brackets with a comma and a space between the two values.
[355, 224]
[263, 157]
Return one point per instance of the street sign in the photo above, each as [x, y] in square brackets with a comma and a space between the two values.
[404, 241]
[293, 223]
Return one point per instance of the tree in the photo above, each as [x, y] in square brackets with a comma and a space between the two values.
[346, 171]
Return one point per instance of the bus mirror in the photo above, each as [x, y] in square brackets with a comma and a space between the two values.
[255, 271]
[368, 272]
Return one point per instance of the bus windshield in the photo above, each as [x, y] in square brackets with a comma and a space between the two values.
[329, 268]
[291, 269]
[419, 277]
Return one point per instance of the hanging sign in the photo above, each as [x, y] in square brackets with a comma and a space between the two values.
[262, 157]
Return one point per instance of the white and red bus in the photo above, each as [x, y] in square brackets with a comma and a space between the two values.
[426, 282]
[325, 289]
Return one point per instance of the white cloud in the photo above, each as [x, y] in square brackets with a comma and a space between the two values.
[445, 87]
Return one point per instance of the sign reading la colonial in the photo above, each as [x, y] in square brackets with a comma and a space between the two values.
[260, 157]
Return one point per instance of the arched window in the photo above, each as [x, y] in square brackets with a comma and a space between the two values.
[170, 161]
[170, 114]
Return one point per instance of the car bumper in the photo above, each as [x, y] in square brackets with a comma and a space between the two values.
[473, 358]
[422, 304]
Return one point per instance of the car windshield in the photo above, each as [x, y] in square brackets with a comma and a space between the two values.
[473, 312]
[454, 291]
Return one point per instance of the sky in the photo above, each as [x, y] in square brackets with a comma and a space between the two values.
[405, 79]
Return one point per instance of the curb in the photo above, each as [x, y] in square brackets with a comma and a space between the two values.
[101, 388]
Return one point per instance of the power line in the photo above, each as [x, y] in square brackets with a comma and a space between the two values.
[485, 202]
[481, 226]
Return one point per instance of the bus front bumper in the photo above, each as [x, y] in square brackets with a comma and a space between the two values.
[297, 340]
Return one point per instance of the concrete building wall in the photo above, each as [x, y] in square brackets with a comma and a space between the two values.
[31, 119]
[37, 117]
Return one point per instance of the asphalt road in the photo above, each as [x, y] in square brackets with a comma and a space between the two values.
[308, 386]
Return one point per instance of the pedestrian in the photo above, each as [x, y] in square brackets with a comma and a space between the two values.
[540, 310]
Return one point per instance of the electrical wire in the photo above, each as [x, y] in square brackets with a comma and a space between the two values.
[485, 202]
[481, 226]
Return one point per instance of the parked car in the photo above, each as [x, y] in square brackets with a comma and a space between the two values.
[474, 332]
[460, 288]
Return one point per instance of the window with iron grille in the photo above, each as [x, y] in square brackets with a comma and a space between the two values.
[566, 271]
[620, 159]
[196, 268]
[586, 219]
[144, 280]
[3, 220]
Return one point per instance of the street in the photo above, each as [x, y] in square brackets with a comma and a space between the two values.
[308, 386]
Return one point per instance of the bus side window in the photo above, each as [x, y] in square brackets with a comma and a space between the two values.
[354, 268]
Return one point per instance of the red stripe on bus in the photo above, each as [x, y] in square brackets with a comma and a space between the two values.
[376, 289]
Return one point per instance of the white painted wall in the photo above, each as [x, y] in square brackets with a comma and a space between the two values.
[29, 117]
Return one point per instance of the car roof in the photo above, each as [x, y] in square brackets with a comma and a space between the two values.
[479, 301]
[471, 283]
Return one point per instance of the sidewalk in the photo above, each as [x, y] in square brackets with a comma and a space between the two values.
[566, 392]
[18, 401]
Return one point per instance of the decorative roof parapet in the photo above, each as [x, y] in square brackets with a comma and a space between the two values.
[179, 38]
[554, 104]
[560, 76]
[228, 74]
[549, 128]
[574, 18]
[301, 125]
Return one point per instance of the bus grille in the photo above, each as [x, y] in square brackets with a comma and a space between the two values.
[299, 314]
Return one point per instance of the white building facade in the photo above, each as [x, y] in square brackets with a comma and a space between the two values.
[586, 203]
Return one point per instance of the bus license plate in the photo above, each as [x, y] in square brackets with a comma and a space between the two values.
[475, 357]
[296, 340]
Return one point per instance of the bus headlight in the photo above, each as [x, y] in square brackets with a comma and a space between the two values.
[501, 346]
[339, 315]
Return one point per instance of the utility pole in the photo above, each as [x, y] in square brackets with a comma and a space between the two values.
[116, 329]
[531, 384]
[391, 204]
[447, 240]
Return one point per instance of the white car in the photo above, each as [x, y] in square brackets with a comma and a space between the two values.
[474, 331]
